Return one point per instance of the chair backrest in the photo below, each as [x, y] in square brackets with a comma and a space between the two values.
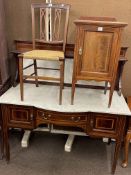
[50, 23]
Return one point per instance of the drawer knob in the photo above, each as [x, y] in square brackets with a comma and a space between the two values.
[76, 119]
[91, 122]
[31, 117]
[49, 115]
[43, 114]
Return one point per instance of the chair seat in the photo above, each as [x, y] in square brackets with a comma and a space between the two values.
[44, 55]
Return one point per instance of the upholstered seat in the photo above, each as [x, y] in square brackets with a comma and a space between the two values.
[44, 55]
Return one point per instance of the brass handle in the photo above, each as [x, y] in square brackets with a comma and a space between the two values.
[75, 119]
[80, 51]
[46, 117]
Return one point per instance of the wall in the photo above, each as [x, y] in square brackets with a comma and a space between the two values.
[18, 18]
[3, 47]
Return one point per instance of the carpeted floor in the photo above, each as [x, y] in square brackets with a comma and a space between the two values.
[46, 156]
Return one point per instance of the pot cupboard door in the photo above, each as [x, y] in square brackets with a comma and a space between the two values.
[95, 49]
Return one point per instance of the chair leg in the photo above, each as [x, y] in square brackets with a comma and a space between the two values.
[36, 74]
[21, 77]
[63, 73]
[61, 80]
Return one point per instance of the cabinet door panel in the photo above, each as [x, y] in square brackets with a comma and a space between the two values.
[103, 124]
[96, 52]
[20, 116]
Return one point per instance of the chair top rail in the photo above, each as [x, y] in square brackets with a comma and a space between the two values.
[49, 42]
[50, 5]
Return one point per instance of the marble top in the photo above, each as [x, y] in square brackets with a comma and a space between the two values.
[47, 97]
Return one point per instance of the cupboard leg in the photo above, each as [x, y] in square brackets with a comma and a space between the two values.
[106, 87]
[21, 77]
[73, 92]
[111, 93]
[126, 149]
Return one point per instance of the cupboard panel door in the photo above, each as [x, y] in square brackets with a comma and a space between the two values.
[20, 116]
[104, 124]
[96, 53]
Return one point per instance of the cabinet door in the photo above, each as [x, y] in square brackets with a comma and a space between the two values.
[102, 125]
[96, 51]
[20, 116]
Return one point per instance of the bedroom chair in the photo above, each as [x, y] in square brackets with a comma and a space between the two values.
[49, 26]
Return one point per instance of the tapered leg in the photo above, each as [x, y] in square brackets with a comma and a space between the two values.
[73, 86]
[111, 93]
[73, 91]
[36, 74]
[2, 143]
[21, 77]
[63, 73]
[120, 133]
[7, 147]
[5, 133]
[106, 86]
[61, 80]
[109, 141]
[126, 149]
[116, 153]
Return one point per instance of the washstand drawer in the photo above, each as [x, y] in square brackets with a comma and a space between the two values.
[54, 117]
[69, 118]
[42, 116]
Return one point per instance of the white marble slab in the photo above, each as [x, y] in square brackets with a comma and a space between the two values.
[47, 97]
